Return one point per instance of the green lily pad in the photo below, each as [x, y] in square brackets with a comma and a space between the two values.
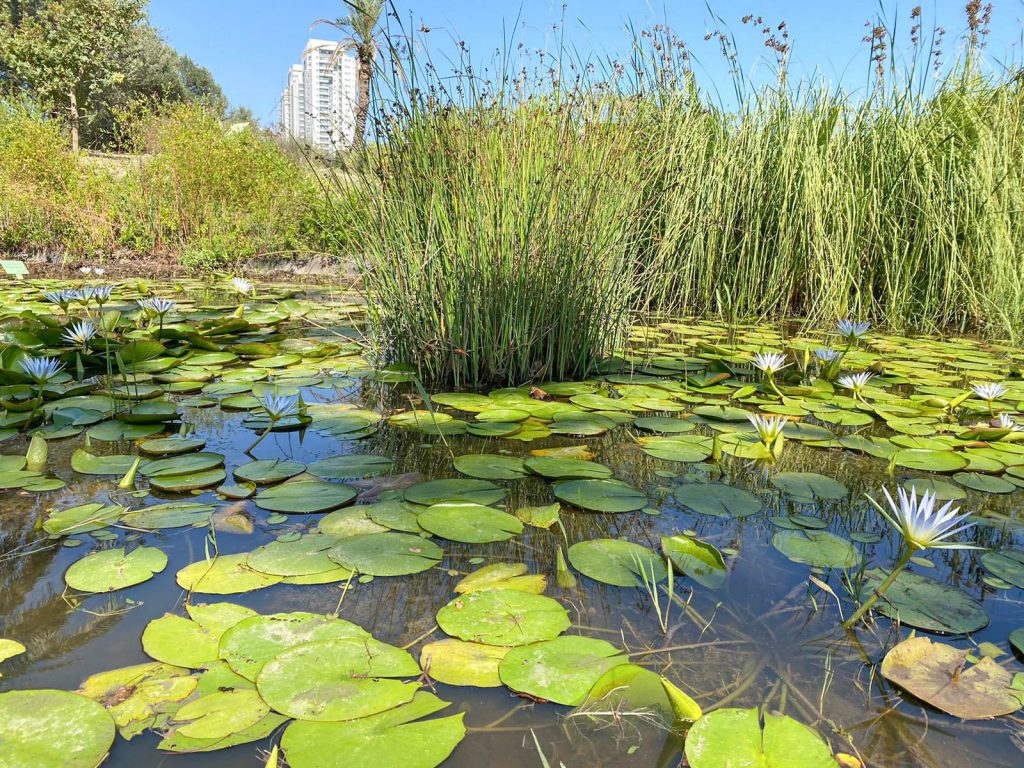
[601, 495]
[112, 569]
[192, 642]
[809, 486]
[175, 741]
[489, 466]
[943, 490]
[1007, 565]
[191, 481]
[927, 604]
[53, 729]
[735, 737]
[469, 523]
[268, 471]
[84, 518]
[616, 562]
[305, 497]
[252, 642]
[351, 521]
[302, 557]
[687, 449]
[984, 483]
[171, 446]
[386, 554]
[221, 714]
[173, 514]
[89, 464]
[223, 575]
[562, 670]
[555, 468]
[388, 738]
[717, 500]
[342, 679]
[503, 617]
[393, 513]
[350, 467]
[929, 460]
[440, 491]
[456, 662]
[700, 561]
[665, 424]
[817, 548]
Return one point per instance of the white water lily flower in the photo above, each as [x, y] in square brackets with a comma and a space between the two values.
[241, 285]
[80, 333]
[99, 270]
[156, 305]
[769, 428]
[40, 369]
[770, 362]
[85, 270]
[989, 392]
[853, 330]
[1006, 422]
[855, 381]
[827, 355]
[922, 526]
[280, 406]
[98, 293]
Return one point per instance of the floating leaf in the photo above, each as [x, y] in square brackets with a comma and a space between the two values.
[929, 460]
[469, 523]
[615, 562]
[468, 491]
[939, 674]
[350, 467]
[927, 604]
[194, 641]
[503, 617]
[489, 466]
[223, 575]
[562, 670]
[717, 500]
[221, 714]
[302, 557]
[387, 554]
[305, 497]
[809, 486]
[268, 471]
[112, 569]
[601, 495]
[1007, 565]
[821, 549]
[734, 737]
[53, 729]
[456, 662]
[700, 561]
[556, 468]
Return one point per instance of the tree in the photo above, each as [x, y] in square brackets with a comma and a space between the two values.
[66, 50]
[361, 28]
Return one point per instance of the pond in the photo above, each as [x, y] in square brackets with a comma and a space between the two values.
[364, 576]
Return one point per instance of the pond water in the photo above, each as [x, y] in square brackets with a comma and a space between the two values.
[762, 633]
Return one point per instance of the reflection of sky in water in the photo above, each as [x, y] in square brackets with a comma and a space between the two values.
[766, 625]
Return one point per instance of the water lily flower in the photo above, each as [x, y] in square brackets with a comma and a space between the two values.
[855, 382]
[241, 285]
[98, 293]
[80, 333]
[99, 270]
[156, 305]
[62, 298]
[852, 330]
[280, 406]
[40, 369]
[827, 355]
[769, 430]
[1006, 422]
[989, 393]
[922, 527]
[770, 362]
[85, 270]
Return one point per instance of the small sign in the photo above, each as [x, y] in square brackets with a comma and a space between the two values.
[15, 268]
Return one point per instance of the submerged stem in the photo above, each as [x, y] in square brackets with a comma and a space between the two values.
[866, 605]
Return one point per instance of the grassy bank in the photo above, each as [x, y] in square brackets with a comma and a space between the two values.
[517, 222]
[197, 193]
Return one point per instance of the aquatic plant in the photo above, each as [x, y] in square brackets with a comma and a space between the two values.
[922, 526]
[80, 333]
[989, 393]
[770, 363]
[242, 286]
[856, 382]
[40, 369]
[852, 331]
[770, 431]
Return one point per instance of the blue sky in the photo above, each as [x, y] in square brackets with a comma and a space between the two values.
[249, 44]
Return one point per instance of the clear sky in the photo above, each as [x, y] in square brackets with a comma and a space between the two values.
[249, 44]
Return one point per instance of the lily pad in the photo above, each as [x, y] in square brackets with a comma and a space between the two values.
[394, 737]
[489, 466]
[192, 642]
[174, 514]
[734, 737]
[456, 662]
[268, 471]
[350, 467]
[930, 460]
[191, 481]
[717, 500]
[305, 497]
[555, 468]
[221, 714]
[337, 679]
[700, 561]
[223, 575]
[89, 464]
[601, 495]
[84, 518]
[469, 523]
[562, 670]
[302, 557]
[927, 604]
[616, 562]
[53, 729]
[503, 617]
[386, 554]
[449, 490]
[251, 643]
[809, 486]
[939, 674]
[821, 549]
[1007, 565]
[112, 569]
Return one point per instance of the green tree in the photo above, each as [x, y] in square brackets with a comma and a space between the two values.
[362, 28]
[66, 50]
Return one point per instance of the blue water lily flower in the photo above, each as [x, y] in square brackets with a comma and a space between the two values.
[40, 369]
[80, 333]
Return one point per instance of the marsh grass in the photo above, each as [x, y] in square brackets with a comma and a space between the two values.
[518, 219]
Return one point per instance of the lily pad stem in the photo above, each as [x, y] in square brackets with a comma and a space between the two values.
[867, 604]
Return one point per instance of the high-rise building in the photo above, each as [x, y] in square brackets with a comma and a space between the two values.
[318, 106]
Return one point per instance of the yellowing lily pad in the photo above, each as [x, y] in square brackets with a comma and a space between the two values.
[456, 662]
[112, 569]
[53, 729]
[223, 575]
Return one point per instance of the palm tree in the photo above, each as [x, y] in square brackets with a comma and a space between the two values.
[361, 28]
